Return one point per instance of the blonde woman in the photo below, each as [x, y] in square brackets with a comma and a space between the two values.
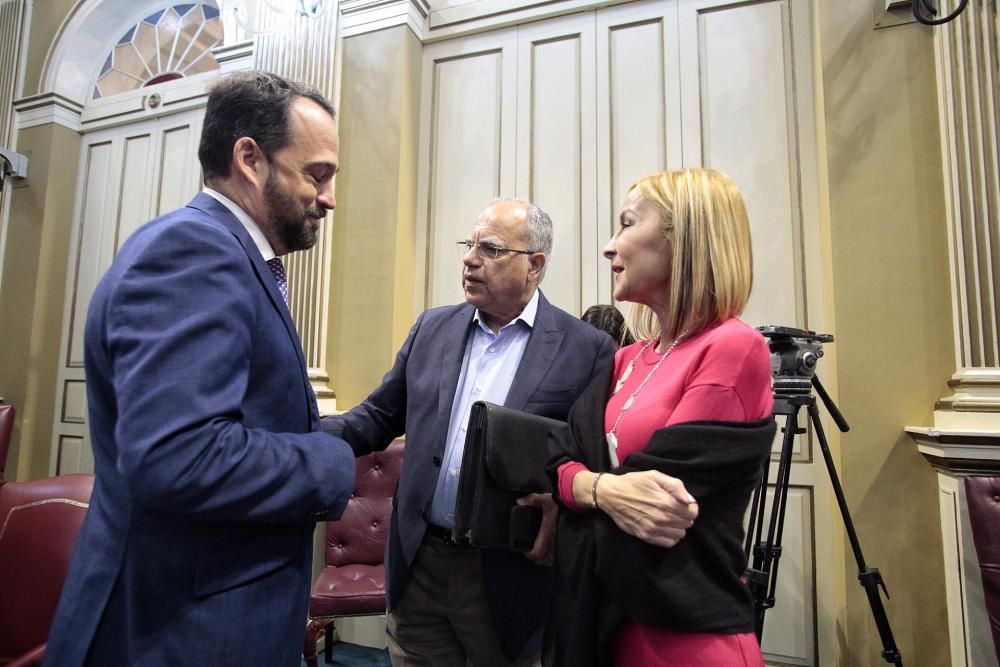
[665, 448]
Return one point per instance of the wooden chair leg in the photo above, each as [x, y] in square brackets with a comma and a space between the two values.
[314, 628]
[328, 643]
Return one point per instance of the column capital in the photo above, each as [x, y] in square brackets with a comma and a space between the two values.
[974, 404]
[361, 16]
[50, 107]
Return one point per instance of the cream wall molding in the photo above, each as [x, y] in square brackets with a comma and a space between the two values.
[45, 109]
[444, 19]
[363, 16]
[235, 57]
[452, 18]
[975, 390]
[145, 103]
[958, 451]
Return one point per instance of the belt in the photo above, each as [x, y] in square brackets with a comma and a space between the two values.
[444, 534]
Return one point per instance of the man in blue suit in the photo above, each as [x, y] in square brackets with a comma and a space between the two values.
[507, 345]
[211, 468]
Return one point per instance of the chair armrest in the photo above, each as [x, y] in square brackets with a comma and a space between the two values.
[31, 658]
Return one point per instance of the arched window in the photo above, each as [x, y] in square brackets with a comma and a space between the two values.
[169, 44]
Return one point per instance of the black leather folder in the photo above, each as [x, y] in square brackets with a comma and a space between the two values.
[505, 454]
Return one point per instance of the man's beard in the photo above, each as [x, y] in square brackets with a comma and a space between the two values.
[295, 226]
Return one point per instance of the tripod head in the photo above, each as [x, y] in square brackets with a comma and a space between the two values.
[794, 355]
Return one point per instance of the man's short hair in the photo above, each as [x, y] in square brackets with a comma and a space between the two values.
[250, 104]
[539, 229]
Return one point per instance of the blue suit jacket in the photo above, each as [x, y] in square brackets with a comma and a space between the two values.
[211, 472]
[415, 398]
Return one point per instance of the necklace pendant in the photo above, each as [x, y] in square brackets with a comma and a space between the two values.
[612, 448]
[628, 403]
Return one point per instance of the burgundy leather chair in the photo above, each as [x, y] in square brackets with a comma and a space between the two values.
[352, 582]
[983, 496]
[39, 524]
[6, 429]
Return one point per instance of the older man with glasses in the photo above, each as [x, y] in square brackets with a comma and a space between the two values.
[450, 604]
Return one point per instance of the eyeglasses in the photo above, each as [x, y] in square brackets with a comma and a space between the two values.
[487, 250]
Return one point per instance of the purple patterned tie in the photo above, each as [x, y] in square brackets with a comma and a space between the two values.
[278, 271]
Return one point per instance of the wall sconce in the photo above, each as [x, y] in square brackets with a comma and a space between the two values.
[12, 165]
[287, 10]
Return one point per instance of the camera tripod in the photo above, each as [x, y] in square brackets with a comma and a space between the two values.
[790, 394]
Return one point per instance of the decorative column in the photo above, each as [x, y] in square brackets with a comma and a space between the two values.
[301, 42]
[968, 72]
[11, 30]
[965, 437]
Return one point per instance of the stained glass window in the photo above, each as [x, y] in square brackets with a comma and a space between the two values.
[168, 44]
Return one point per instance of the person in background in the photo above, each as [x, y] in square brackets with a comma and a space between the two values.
[451, 604]
[211, 471]
[610, 320]
[665, 448]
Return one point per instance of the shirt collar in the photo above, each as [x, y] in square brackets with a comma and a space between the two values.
[527, 315]
[259, 240]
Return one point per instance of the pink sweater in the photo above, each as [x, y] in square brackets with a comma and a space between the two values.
[722, 373]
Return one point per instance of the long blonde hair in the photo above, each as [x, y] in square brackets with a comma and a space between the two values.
[703, 216]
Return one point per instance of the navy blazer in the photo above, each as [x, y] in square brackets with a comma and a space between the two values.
[210, 468]
[416, 397]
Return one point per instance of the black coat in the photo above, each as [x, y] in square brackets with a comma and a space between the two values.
[606, 575]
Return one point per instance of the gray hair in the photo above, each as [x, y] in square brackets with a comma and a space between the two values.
[539, 237]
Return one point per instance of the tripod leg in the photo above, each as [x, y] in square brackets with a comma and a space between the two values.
[762, 575]
[870, 578]
[755, 518]
[781, 484]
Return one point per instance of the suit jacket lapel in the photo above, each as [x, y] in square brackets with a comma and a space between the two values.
[452, 340]
[542, 346]
[221, 214]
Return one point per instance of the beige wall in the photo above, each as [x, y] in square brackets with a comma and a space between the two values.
[31, 298]
[35, 263]
[891, 315]
[31, 302]
[372, 291]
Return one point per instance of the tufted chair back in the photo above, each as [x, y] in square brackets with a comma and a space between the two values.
[983, 496]
[39, 524]
[352, 582]
[359, 536]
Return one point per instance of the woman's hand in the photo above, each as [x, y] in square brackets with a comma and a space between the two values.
[649, 505]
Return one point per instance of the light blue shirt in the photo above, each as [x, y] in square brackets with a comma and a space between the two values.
[488, 369]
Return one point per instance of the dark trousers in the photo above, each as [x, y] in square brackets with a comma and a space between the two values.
[442, 618]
